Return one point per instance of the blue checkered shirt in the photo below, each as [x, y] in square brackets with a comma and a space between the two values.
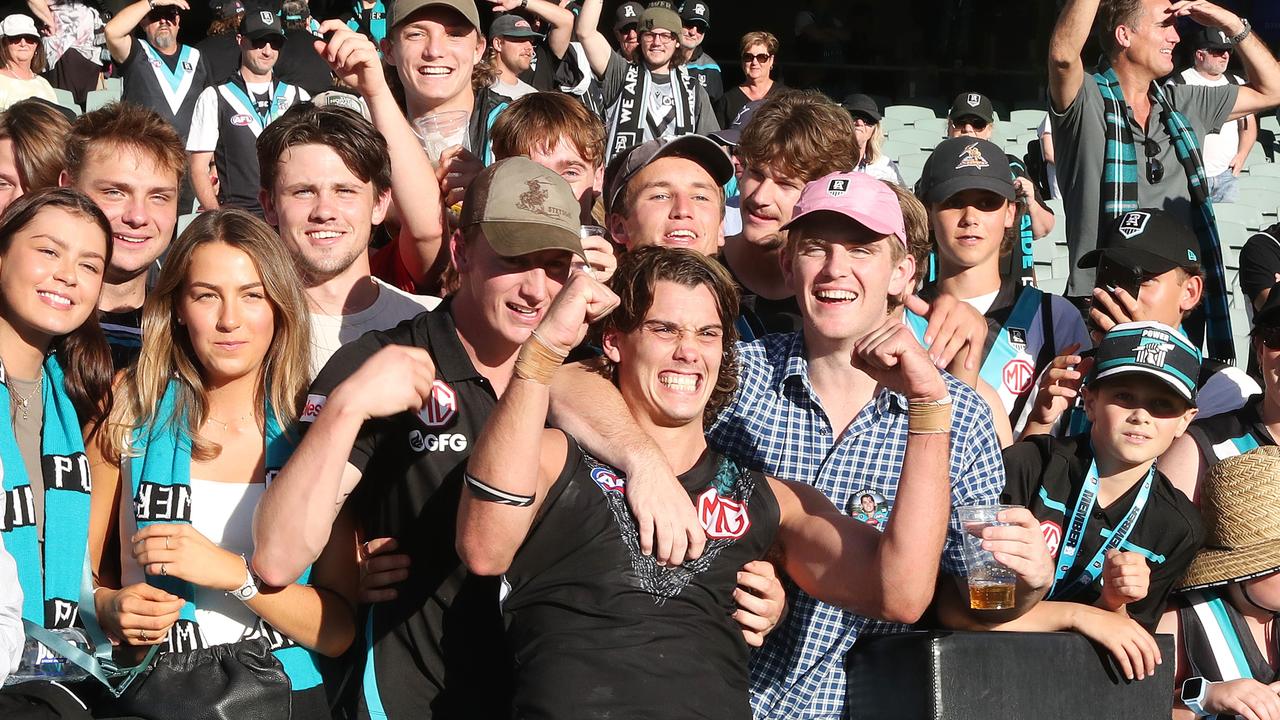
[776, 424]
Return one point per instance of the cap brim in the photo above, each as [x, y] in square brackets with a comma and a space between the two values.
[521, 34]
[700, 148]
[513, 239]
[1148, 262]
[1211, 568]
[728, 137]
[951, 186]
[1165, 378]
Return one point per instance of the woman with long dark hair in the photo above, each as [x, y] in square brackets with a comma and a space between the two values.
[55, 379]
[199, 427]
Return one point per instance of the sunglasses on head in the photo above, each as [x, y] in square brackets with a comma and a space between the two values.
[1155, 168]
[760, 58]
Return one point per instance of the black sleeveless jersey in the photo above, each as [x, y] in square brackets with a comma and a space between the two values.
[600, 630]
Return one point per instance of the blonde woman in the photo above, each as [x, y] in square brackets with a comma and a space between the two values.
[22, 60]
[199, 428]
[870, 138]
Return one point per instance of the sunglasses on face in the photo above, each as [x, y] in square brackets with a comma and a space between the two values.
[22, 40]
[1155, 168]
[977, 124]
[157, 16]
[1217, 53]
[276, 42]
[760, 58]
[862, 122]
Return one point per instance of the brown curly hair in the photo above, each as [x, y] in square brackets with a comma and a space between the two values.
[638, 274]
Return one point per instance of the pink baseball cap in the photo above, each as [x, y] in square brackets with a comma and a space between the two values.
[857, 196]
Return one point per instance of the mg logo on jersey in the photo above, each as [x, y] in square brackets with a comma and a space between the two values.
[441, 406]
[1052, 532]
[722, 518]
[1018, 376]
[608, 480]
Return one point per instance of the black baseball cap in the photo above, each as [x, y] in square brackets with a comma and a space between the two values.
[696, 11]
[512, 26]
[1151, 349]
[972, 104]
[628, 13]
[965, 163]
[1212, 39]
[865, 105]
[1148, 240]
[732, 134]
[257, 24]
[698, 148]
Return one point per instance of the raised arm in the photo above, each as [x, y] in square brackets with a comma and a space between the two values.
[559, 18]
[1066, 69]
[119, 31]
[834, 557]
[293, 521]
[1263, 89]
[511, 468]
[594, 43]
[356, 62]
[589, 407]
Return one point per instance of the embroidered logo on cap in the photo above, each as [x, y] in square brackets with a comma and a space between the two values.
[971, 157]
[1153, 350]
[629, 11]
[699, 9]
[837, 187]
[1192, 256]
[534, 199]
[522, 24]
[1134, 223]
[974, 100]
[1223, 36]
[266, 17]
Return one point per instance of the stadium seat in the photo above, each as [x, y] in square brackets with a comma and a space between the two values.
[1246, 215]
[1232, 234]
[66, 100]
[908, 113]
[1270, 122]
[100, 98]
[920, 139]
[183, 222]
[934, 125]
[1257, 156]
[1266, 201]
[911, 165]
[1267, 170]
[115, 83]
[1251, 181]
[1026, 119]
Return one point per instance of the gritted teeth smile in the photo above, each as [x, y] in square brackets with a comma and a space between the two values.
[836, 295]
[682, 235]
[130, 239]
[55, 298]
[680, 381]
[323, 234]
[435, 71]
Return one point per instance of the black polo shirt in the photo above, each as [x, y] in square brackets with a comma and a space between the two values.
[1230, 434]
[436, 650]
[600, 630]
[1046, 474]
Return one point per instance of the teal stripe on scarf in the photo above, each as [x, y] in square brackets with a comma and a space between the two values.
[163, 459]
[1120, 195]
[50, 585]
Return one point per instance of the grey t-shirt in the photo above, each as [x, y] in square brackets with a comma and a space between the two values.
[1080, 137]
[661, 102]
[27, 432]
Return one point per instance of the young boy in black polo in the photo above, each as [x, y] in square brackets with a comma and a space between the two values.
[1119, 533]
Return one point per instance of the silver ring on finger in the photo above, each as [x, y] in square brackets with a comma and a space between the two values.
[163, 569]
[142, 635]
[166, 542]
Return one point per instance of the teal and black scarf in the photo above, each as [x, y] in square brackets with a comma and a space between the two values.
[160, 481]
[51, 582]
[1120, 195]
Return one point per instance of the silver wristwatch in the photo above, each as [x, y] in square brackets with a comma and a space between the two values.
[1237, 39]
[249, 590]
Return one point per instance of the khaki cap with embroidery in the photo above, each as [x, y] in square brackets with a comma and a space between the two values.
[402, 9]
[523, 208]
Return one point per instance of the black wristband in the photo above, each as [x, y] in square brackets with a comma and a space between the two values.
[492, 494]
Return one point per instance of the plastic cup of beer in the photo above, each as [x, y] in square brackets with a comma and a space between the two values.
[991, 584]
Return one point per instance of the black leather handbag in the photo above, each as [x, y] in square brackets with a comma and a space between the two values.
[236, 681]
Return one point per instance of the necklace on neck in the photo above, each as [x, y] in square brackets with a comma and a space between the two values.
[226, 424]
[24, 403]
